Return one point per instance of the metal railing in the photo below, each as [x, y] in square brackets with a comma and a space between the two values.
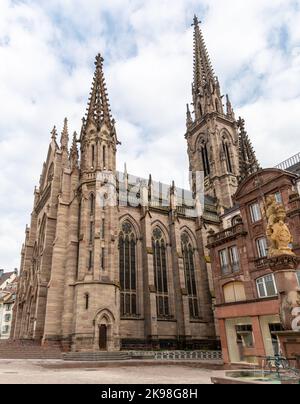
[182, 355]
[292, 161]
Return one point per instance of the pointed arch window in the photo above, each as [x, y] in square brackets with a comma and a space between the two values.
[42, 235]
[93, 156]
[160, 272]
[205, 159]
[190, 275]
[226, 151]
[104, 156]
[92, 205]
[127, 265]
[92, 218]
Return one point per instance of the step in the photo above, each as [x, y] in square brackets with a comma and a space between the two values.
[28, 350]
[96, 356]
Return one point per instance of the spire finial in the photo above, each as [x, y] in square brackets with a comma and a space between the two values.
[64, 141]
[189, 119]
[54, 133]
[230, 112]
[74, 156]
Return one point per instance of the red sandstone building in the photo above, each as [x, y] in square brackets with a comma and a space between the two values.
[247, 304]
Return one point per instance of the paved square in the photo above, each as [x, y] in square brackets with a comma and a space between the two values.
[57, 372]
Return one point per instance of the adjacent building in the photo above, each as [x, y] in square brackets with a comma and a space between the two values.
[247, 297]
[8, 290]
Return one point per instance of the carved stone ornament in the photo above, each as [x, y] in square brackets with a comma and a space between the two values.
[278, 233]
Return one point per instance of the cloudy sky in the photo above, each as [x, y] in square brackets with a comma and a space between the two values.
[47, 50]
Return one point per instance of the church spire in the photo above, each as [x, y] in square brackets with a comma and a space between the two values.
[203, 71]
[206, 89]
[247, 158]
[98, 111]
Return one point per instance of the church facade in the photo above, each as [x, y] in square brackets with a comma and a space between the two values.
[98, 273]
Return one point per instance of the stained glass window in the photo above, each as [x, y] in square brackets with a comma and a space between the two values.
[190, 276]
[127, 263]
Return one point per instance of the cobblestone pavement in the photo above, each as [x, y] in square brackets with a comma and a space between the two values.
[57, 372]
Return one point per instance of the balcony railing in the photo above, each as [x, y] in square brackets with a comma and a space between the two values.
[228, 234]
[230, 269]
[261, 263]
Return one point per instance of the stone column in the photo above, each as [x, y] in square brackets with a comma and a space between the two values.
[150, 309]
[284, 268]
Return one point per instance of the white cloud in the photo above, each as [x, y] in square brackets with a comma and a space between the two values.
[46, 52]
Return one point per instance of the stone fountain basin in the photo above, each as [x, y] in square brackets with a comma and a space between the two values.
[255, 377]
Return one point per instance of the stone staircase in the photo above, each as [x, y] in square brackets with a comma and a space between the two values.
[27, 350]
[96, 356]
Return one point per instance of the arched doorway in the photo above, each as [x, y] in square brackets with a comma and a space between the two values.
[103, 337]
[106, 332]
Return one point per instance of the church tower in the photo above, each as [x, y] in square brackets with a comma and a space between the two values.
[213, 135]
[97, 284]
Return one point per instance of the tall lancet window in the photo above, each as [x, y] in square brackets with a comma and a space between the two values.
[128, 281]
[190, 276]
[93, 156]
[104, 157]
[205, 159]
[160, 271]
[226, 151]
[91, 235]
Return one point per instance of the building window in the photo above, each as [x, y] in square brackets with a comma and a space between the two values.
[245, 335]
[90, 260]
[274, 329]
[234, 259]
[103, 229]
[205, 160]
[103, 259]
[42, 235]
[262, 247]
[87, 301]
[5, 329]
[190, 276]
[127, 263]
[255, 212]
[278, 197]
[234, 292]
[8, 307]
[7, 318]
[227, 157]
[266, 286]
[161, 275]
[230, 261]
[104, 156]
[93, 156]
[91, 233]
[224, 262]
[92, 205]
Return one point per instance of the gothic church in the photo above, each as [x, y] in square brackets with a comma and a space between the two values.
[125, 276]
